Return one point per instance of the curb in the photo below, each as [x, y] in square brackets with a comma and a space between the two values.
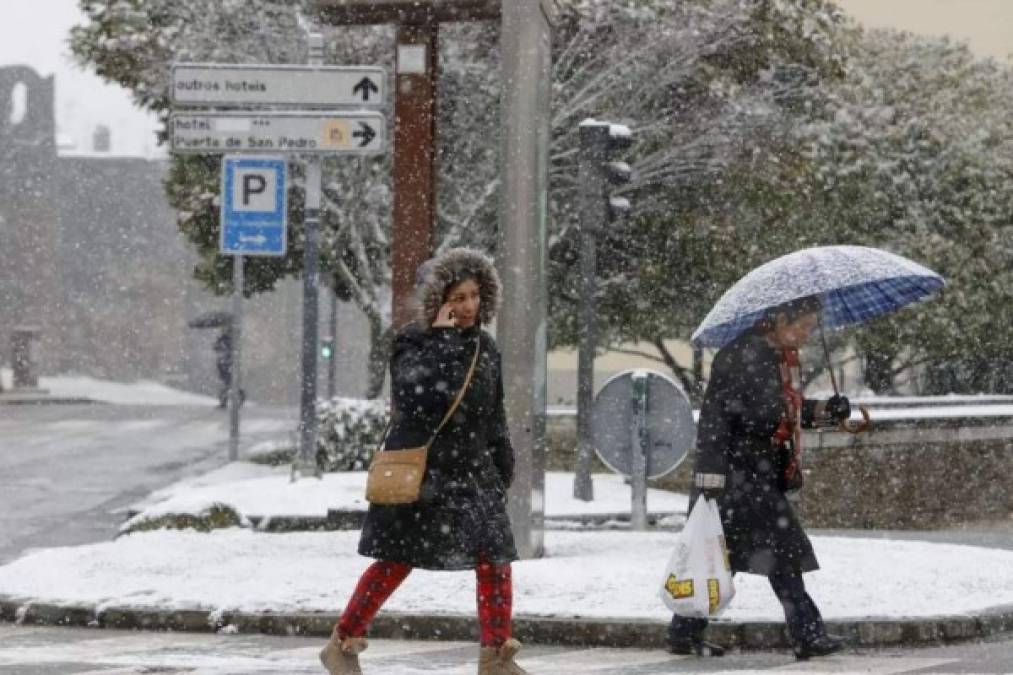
[345, 519]
[10, 398]
[577, 632]
[342, 519]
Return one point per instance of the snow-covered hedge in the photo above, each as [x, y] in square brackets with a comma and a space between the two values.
[348, 431]
[213, 517]
[273, 453]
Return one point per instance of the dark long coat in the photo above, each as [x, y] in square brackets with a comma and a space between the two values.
[462, 511]
[741, 410]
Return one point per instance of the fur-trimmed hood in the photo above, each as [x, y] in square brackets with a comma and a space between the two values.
[438, 274]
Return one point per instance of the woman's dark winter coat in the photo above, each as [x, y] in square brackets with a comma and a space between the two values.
[461, 514]
[741, 410]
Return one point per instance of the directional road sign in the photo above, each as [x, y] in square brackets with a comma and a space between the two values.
[254, 205]
[302, 132]
[215, 84]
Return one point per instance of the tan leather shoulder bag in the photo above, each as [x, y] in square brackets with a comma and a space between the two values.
[395, 476]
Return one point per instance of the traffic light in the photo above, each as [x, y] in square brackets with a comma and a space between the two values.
[617, 173]
[327, 349]
[601, 171]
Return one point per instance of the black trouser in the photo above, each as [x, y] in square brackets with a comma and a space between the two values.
[800, 613]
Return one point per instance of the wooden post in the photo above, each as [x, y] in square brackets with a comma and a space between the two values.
[414, 160]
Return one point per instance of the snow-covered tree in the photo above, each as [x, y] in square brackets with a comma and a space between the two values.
[761, 125]
[914, 156]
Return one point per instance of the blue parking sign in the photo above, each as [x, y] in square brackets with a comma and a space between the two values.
[254, 213]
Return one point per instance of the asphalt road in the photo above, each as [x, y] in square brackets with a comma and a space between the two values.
[68, 472]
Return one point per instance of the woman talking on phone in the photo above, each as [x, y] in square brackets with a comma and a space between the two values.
[460, 520]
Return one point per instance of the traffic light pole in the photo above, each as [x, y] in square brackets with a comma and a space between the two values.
[593, 137]
[598, 209]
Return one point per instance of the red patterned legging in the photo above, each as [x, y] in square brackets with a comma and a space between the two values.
[494, 593]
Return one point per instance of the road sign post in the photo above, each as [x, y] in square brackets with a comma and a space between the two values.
[638, 451]
[235, 343]
[305, 463]
[642, 427]
[254, 219]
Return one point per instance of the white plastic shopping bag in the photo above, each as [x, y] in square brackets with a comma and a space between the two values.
[698, 577]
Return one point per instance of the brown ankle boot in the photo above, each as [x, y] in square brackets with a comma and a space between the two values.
[341, 655]
[500, 660]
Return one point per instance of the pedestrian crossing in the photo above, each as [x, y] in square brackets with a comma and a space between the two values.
[100, 652]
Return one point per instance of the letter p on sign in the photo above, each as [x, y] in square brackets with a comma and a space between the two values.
[255, 189]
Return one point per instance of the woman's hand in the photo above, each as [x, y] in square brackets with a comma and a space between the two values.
[445, 317]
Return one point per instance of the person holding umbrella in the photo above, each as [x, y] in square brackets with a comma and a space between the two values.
[745, 460]
[749, 435]
[225, 322]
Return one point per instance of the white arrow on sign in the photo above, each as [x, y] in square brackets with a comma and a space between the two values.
[209, 84]
[257, 239]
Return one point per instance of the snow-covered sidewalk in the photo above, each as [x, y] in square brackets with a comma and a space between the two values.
[583, 574]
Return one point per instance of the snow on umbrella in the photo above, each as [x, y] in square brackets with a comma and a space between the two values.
[854, 284]
[214, 319]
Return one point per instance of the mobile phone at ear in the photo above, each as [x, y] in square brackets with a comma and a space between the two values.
[451, 315]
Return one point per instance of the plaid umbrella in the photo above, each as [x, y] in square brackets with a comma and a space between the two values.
[854, 284]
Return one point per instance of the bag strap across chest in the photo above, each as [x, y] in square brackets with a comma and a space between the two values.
[453, 406]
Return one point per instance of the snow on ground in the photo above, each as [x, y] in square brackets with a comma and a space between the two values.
[142, 392]
[255, 490]
[584, 574]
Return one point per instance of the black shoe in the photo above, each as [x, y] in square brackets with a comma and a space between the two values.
[821, 646]
[695, 647]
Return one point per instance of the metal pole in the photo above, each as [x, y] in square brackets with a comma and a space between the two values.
[305, 463]
[638, 445]
[520, 256]
[332, 363]
[236, 339]
[592, 220]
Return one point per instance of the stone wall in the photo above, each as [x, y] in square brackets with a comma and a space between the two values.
[920, 472]
[911, 475]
